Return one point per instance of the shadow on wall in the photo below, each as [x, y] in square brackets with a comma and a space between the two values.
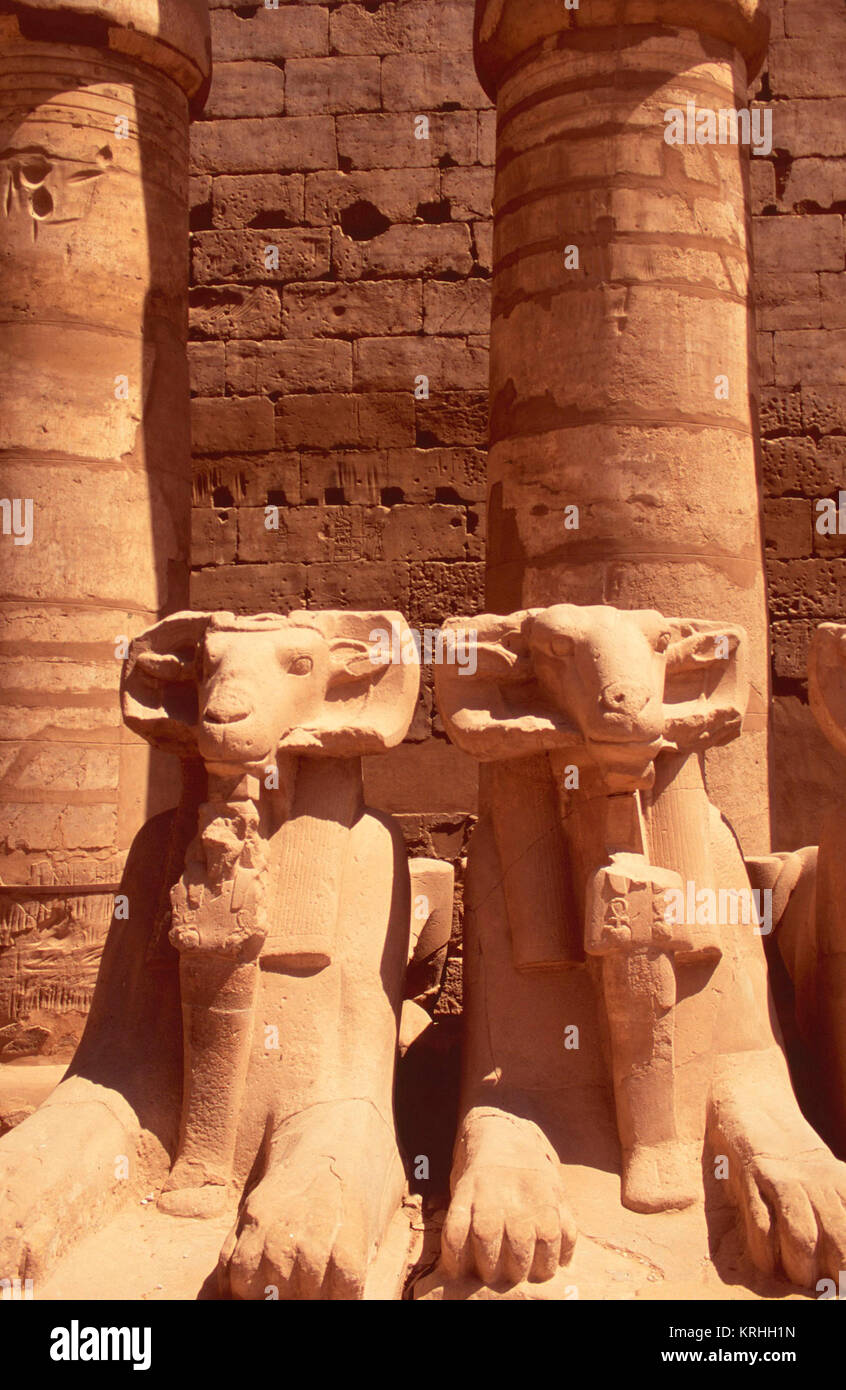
[807, 775]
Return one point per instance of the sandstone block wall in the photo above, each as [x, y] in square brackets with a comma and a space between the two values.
[799, 198]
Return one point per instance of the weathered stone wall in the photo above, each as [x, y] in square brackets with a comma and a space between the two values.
[799, 197]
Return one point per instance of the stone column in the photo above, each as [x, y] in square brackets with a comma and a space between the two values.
[622, 379]
[94, 451]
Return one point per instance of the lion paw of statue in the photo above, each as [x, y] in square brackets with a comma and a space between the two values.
[508, 1219]
[793, 1212]
[312, 1226]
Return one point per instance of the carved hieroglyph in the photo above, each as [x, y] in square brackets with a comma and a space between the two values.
[272, 911]
[613, 952]
[94, 455]
[622, 459]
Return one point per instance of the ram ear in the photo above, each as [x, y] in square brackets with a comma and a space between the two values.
[352, 661]
[487, 692]
[373, 684]
[706, 687]
[158, 690]
[827, 681]
[506, 662]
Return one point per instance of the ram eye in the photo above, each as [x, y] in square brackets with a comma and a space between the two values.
[663, 642]
[561, 646]
[301, 666]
